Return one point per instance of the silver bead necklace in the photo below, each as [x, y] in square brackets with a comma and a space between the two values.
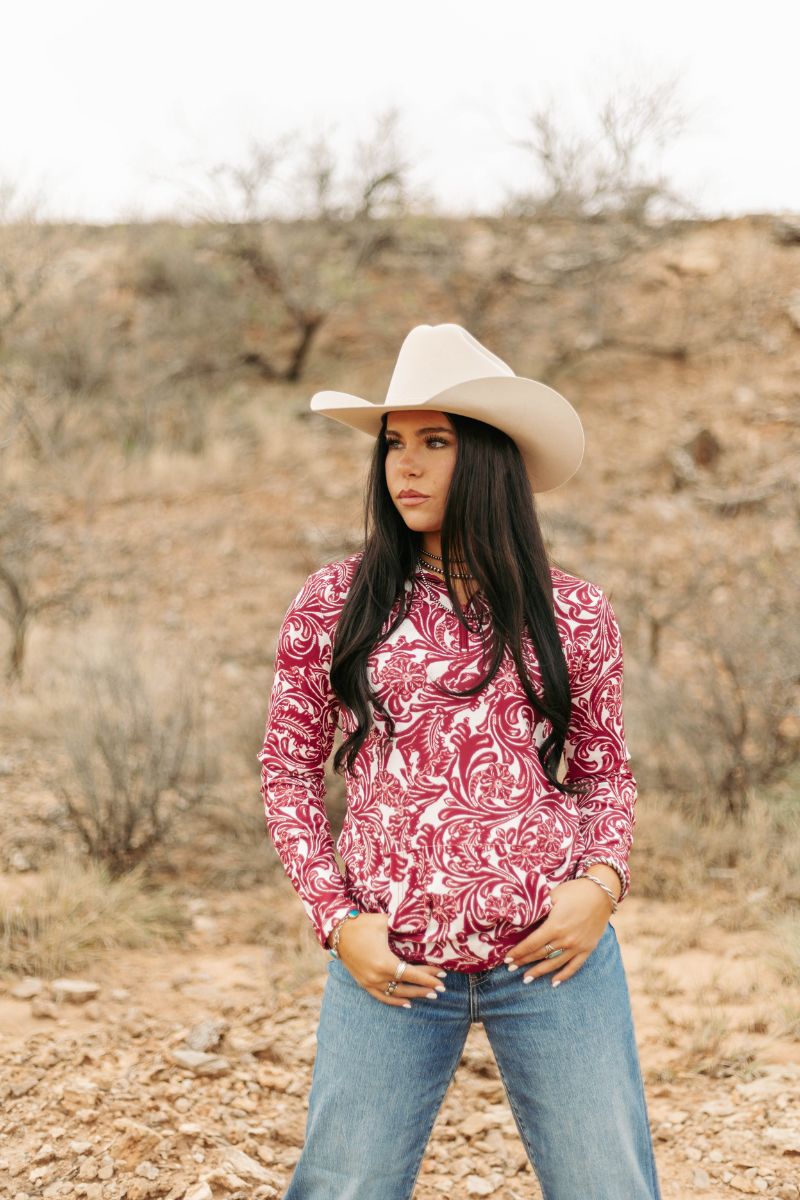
[440, 570]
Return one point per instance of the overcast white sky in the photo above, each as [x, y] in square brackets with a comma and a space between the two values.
[113, 109]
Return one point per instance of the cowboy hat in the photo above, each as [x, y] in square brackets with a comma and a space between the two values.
[444, 368]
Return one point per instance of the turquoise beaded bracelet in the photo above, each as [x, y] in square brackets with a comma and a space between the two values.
[332, 951]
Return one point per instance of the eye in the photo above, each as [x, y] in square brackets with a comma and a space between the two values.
[391, 442]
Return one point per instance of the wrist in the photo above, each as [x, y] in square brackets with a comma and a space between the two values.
[333, 939]
[608, 875]
[600, 885]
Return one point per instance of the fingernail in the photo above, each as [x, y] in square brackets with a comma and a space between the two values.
[528, 978]
[514, 966]
[407, 1004]
[555, 983]
[440, 987]
[442, 974]
[432, 995]
[508, 958]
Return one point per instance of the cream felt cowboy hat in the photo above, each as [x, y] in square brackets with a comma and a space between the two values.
[444, 368]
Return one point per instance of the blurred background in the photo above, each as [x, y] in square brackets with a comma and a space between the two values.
[206, 214]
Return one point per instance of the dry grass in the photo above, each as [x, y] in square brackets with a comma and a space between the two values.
[785, 958]
[676, 855]
[66, 917]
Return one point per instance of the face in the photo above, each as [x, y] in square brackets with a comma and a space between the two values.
[420, 457]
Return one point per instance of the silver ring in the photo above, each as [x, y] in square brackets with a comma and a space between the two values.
[399, 969]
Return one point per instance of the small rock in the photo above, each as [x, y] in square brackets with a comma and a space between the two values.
[700, 1178]
[22, 1086]
[27, 988]
[146, 1170]
[78, 1094]
[786, 228]
[200, 1063]
[77, 991]
[226, 1179]
[43, 1008]
[206, 1035]
[244, 1165]
[475, 1123]
[106, 1171]
[693, 262]
[199, 1191]
[477, 1186]
[704, 448]
[785, 1139]
[741, 1183]
[88, 1168]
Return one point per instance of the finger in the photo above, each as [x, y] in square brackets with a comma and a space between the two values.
[574, 965]
[380, 994]
[417, 973]
[549, 966]
[520, 955]
[413, 990]
[559, 973]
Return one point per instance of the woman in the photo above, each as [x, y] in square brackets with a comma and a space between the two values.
[462, 667]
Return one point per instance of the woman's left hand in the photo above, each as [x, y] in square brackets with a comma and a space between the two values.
[575, 924]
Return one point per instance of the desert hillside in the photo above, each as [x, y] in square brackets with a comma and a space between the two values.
[165, 491]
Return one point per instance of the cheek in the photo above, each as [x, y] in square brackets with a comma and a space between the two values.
[446, 472]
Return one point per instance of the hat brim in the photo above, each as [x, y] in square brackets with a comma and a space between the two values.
[542, 422]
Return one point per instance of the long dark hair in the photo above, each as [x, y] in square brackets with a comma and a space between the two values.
[490, 522]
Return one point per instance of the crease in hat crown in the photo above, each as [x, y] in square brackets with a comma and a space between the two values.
[444, 356]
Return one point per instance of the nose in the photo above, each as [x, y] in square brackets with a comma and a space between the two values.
[406, 460]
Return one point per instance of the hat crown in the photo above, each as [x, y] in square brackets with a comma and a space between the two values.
[433, 358]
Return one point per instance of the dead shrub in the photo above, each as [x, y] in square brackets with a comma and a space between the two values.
[137, 757]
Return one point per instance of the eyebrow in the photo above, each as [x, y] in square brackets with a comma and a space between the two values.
[424, 429]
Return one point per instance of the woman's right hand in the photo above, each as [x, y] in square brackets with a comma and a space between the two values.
[364, 950]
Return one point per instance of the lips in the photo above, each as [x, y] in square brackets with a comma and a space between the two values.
[413, 496]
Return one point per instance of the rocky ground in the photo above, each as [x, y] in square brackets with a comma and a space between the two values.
[186, 1075]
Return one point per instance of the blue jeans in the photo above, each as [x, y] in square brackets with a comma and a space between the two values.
[567, 1057]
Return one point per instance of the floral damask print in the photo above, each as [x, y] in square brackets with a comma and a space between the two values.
[452, 827]
[491, 785]
[403, 675]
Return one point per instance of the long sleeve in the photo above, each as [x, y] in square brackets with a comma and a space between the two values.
[595, 749]
[300, 728]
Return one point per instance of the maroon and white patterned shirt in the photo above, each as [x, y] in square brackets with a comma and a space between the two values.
[452, 827]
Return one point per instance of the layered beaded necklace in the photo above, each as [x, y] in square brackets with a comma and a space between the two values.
[440, 570]
[433, 592]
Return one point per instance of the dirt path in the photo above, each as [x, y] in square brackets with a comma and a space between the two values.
[187, 1074]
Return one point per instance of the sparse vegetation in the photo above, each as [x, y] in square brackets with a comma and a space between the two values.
[137, 759]
[72, 913]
